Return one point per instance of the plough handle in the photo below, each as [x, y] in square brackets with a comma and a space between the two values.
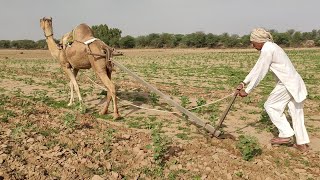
[227, 110]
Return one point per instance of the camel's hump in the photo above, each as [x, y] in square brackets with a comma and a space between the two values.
[82, 32]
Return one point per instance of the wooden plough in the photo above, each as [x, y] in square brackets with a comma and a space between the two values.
[193, 118]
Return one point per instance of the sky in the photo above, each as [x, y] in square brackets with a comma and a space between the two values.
[20, 19]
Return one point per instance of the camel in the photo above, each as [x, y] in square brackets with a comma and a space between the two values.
[82, 54]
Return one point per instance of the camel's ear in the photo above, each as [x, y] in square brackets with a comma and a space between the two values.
[46, 18]
[41, 22]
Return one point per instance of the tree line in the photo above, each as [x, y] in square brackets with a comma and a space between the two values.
[112, 37]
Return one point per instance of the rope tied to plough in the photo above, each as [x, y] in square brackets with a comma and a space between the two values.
[140, 107]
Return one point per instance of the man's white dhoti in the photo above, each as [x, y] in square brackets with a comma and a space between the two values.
[275, 105]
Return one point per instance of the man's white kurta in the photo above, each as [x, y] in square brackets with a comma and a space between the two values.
[274, 58]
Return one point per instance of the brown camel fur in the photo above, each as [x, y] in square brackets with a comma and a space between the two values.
[77, 56]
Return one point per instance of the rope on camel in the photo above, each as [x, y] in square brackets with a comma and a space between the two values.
[140, 107]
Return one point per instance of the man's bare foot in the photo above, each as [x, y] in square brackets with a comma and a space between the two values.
[281, 141]
[301, 147]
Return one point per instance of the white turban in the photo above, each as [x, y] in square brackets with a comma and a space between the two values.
[260, 35]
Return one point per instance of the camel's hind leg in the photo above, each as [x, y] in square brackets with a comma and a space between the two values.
[111, 93]
[106, 106]
[75, 72]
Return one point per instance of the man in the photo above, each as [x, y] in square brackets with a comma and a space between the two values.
[290, 89]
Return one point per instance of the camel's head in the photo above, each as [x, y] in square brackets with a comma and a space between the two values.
[110, 52]
[46, 25]
[116, 52]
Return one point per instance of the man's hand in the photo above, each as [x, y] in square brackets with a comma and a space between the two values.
[242, 93]
[240, 86]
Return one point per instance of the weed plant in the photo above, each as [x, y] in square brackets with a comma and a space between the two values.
[154, 98]
[249, 147]
[160, 145]
[200, 102]
[69, 120]
[184, 101]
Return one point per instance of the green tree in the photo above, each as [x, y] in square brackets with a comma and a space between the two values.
[245, 41]
[282, 39]
[296, 39]
[186, 41]
[102, 32]
[177, 39]
[115, 35]
[197, 40]
[230, 41]
[110, 36]
[127, 42]
[212, 40]
[307, 36]
[291, 32]
[23, 44]
[5, 44]
[154, 41]
[318, 33]
[224, 38]
[42, 44]
[141, 41]
[317, 41]
[233, 41]
[167, 40]
[314, 34]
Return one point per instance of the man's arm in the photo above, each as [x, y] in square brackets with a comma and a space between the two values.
[256, 74]
[259, 71]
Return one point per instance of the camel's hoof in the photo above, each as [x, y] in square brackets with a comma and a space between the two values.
[103, 112]
[116, 117]
[82, 107]
[70, 104]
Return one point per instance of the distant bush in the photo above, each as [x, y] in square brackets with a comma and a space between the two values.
[23, 44]
[112, 37]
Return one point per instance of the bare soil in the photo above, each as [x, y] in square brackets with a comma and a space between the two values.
[42, 138]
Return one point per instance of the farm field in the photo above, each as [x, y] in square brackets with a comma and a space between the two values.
[42, 138]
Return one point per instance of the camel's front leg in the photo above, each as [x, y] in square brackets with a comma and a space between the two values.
[105, 108]
[73, 81]
[71, 94]
[75, 72]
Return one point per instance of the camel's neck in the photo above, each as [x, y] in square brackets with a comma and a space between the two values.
[53, 48]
